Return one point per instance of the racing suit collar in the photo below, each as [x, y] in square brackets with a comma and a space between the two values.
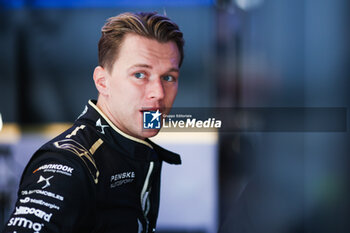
[92, 103]
[134, 147]
[167, 156]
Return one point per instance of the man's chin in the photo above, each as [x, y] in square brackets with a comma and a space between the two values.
[148, 133]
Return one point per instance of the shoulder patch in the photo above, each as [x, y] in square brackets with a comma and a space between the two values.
[83, 153]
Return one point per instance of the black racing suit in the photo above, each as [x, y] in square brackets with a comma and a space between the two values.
[91, 178]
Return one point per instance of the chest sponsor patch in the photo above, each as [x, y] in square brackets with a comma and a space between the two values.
[23, 210]
[42, 192]
[39, 202]
[45, 181]
[56, 168]
[26, 223]
[122, 178]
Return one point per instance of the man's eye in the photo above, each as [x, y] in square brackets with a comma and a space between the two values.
[139, 75]
[169, 78]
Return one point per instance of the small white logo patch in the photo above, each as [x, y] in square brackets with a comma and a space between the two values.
[99, 124]
[47, 183]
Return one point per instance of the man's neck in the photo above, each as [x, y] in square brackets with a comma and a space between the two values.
[104, 111]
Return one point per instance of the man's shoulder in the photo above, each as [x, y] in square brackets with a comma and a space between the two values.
[77, 139]
[76, 145]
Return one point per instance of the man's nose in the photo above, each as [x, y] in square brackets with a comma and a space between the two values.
[155, 89]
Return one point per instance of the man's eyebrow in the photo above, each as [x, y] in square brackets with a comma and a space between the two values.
[150, 67]
[140, 66]
[174, 70]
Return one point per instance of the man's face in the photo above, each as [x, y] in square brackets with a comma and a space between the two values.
[144, 77]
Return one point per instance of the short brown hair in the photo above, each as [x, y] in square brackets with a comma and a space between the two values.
[147, 24]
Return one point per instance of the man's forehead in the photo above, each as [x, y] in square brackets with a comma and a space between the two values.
[139, 47]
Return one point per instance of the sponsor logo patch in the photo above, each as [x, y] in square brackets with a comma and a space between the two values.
[99, 124]
[39, 202]
[122, 178]
[42, 192]
[47, 183]
[25, 223]
[56, 168]
[23, 210]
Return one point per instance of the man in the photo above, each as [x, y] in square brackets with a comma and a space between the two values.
[103, 174]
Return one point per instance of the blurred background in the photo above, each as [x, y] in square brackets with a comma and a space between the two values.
[238, 53]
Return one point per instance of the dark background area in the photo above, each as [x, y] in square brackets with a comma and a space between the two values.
[238, 53]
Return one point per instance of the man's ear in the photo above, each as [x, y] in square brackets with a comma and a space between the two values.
[101, 80]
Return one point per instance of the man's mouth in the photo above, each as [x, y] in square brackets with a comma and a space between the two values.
[151, 110]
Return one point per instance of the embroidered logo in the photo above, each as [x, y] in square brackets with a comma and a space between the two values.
[122, 178]
[99, 124]
[47, 183]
